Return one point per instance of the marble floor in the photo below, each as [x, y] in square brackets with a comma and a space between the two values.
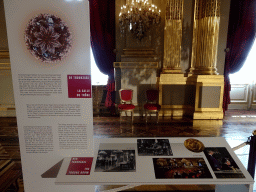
[236, 127]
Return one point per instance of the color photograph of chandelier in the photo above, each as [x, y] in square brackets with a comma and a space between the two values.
[137, 17]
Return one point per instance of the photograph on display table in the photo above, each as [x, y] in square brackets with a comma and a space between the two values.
[181, 168]
[154, 147]
[115, 161]
[222, 164]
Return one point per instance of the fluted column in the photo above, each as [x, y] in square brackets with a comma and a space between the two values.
[173, 36]
[205, 37]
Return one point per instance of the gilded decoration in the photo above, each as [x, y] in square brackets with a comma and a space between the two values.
[194, 145]
[138, 16]
[205, 37]
[5, 66]
[133, 65]
[4, 54]
[173, 36]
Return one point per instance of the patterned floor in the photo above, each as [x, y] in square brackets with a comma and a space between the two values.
[235, 121]
[236, 127]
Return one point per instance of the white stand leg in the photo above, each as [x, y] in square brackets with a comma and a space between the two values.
[234, 188]
[120, 188]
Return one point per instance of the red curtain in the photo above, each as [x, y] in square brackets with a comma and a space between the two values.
[241, 35]
[102, 23]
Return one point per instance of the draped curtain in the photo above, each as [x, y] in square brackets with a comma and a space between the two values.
[241, 35]
[102, 23]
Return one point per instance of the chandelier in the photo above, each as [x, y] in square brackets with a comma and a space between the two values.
[137, 17]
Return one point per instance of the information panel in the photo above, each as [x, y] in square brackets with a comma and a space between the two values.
[49, 44]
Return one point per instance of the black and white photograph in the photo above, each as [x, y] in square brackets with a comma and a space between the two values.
[181, 168]
[222, 164]
[154, 147]
[115, 161]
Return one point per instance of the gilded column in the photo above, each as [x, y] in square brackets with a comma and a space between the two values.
[205, 37]
[173, 36]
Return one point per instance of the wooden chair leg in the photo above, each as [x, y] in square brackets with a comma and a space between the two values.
[146, 114]
[157, 116]
[132, 117]
[120, 117]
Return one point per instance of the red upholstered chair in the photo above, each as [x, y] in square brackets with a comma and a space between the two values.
[126, 101]
[152, 103]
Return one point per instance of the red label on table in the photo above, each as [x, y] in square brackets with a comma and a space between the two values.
[79, 86]
[80, 166]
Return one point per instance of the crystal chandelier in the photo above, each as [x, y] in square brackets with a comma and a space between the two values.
[137, 17]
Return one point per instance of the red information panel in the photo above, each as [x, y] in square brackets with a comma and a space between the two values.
[80, 166]
[79, 86]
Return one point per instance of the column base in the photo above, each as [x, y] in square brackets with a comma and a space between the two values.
[176, 112]
[208, 115]
[176, 96]
[208, 96]
[7, 110]
[172, 71]
[205, 71]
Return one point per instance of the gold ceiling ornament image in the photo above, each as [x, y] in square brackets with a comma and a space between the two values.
[205, 37]
[137, 17]
[194, 145]
[173, 36]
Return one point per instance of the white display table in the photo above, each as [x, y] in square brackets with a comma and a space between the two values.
[112, 165]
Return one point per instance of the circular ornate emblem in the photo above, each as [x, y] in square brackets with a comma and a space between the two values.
[47, 38]
[194, 145]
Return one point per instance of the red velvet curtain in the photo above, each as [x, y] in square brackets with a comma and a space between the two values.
[102, 23]
[241, 35]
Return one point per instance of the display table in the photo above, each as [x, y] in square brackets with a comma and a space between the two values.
[216, 165]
